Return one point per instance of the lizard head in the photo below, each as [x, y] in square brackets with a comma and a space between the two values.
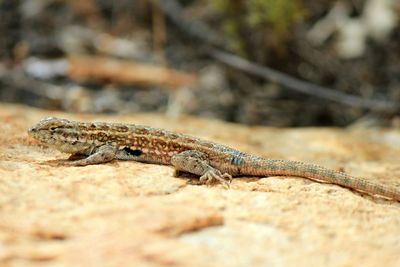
[47, 129]
[59, 133]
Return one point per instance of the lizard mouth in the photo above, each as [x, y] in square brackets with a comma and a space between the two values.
[37, 134]
[32, 131]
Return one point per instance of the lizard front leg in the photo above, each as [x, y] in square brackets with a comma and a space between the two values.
[102, 154]
[196, 162]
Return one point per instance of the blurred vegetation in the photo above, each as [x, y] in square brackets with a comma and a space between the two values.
[272, 20]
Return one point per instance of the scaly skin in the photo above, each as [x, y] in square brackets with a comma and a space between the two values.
[102, 142]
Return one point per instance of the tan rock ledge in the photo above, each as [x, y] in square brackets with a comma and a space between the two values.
[134, 214]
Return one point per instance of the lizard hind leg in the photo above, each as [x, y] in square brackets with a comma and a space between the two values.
[196, 162]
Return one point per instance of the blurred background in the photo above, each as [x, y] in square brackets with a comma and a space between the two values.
[257, 62]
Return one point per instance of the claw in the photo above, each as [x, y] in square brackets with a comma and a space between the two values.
[216, 176]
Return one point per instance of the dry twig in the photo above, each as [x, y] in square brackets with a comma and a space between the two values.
[125, 72]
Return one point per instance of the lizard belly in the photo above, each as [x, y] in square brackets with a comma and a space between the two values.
[231, 169]
[142, 155]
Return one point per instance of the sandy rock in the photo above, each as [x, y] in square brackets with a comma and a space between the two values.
[134, 214]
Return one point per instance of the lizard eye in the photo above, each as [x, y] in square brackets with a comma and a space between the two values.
[53, 128]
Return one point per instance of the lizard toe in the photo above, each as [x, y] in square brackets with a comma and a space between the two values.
[212, 176]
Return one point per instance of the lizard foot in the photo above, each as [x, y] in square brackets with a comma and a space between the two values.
[216, 176]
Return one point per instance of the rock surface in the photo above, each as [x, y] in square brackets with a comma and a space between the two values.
[134, 214]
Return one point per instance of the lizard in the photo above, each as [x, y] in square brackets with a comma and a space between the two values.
[99, 142]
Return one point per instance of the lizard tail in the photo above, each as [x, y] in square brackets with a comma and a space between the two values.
[269, 167]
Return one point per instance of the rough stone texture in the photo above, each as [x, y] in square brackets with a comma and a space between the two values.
[134, 214]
